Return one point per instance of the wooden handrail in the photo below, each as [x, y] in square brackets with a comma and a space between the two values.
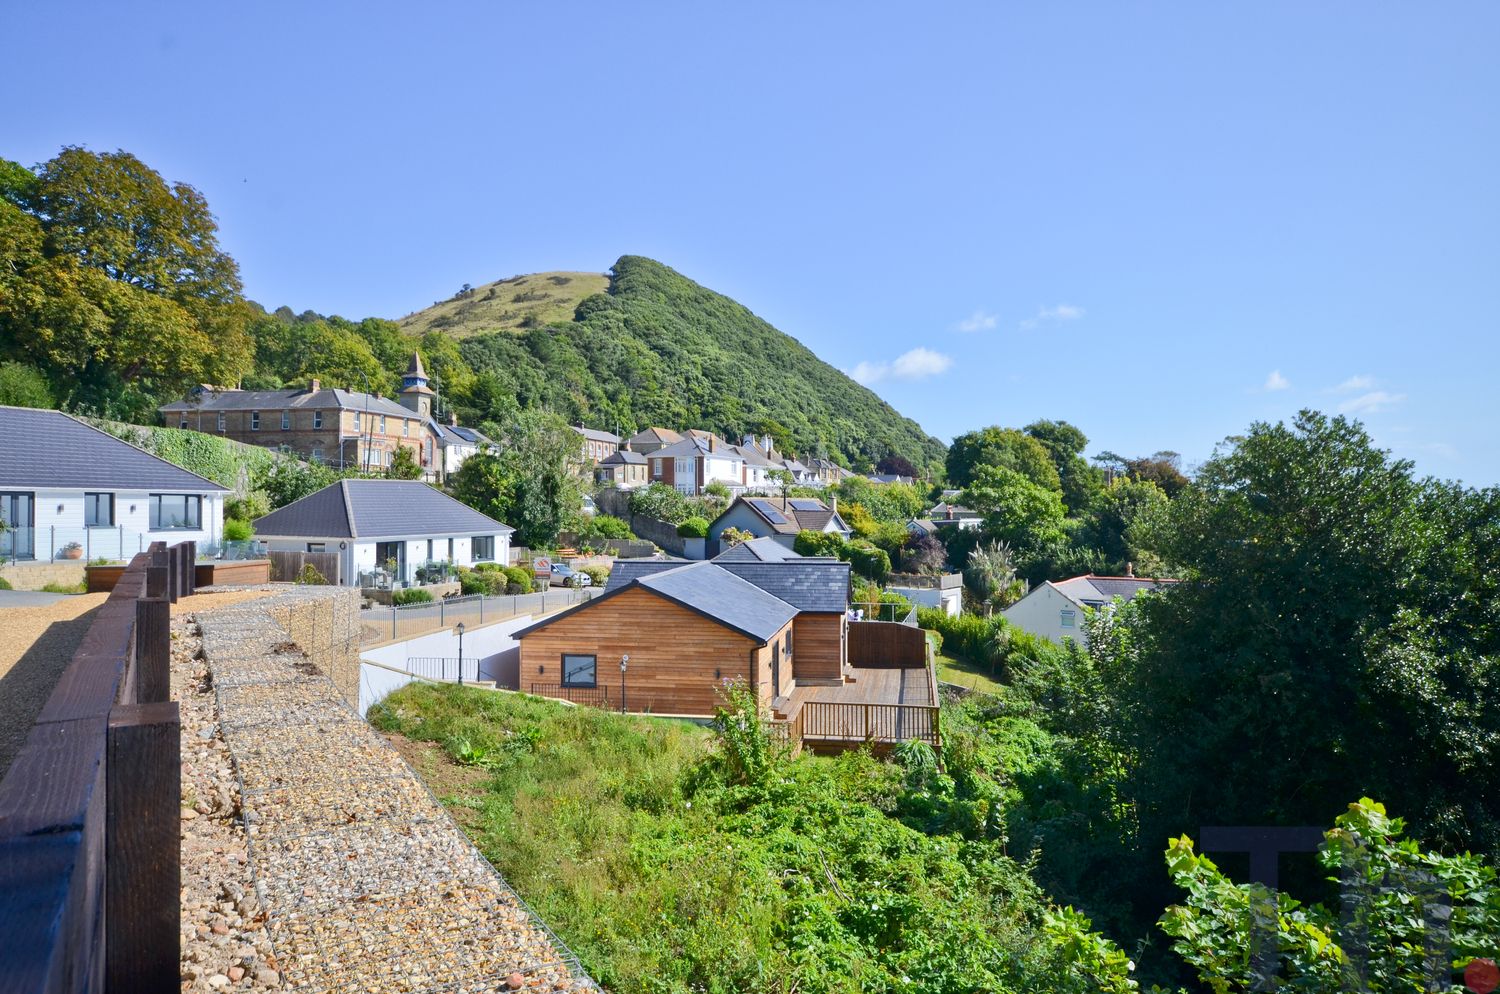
[89, 852]
[829, 721]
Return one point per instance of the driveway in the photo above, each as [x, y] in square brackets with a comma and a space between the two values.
[29, 598]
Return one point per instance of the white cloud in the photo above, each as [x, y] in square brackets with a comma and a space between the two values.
[1372, 402]
[917, 364]
[979, 321]
[1354, 383]
[1062, 312]
[1276, 381]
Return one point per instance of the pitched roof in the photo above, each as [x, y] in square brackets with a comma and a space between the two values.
[796, 513]
[275, 400]
[707, 589]
[623, 457]
[763, 550]
[647, 435]
[1089, 589]
[372, 509]
[806, 583]
[595, 435]
[952, 511]
[889, 478]
[627, 570]
[41, 448]
[414, 368]
[754, 456]
[454, 434]
[696, 447]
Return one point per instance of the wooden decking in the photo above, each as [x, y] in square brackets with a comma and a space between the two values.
[879, 706]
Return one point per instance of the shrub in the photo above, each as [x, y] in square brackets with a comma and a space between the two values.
[868, 561]
[693, 528]
[237, 530]
[65, 588]
[311, 577]
[490, 567]
[518, 580]
[661, 502]
[5, 584]
[412, 595]
[810, 543]
[605, 526]
[477, 581]
[253, 505]
[599, 574]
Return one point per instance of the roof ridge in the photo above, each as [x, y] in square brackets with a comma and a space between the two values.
[348, 507]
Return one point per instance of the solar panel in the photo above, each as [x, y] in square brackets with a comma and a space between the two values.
[771, 514]
[806, 504]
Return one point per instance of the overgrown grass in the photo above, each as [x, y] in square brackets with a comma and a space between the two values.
[515, 304]
[81, 587]
[963, 673]
[635, 842]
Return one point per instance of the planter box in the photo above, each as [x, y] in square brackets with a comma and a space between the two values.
[102, 579]
[232, 572]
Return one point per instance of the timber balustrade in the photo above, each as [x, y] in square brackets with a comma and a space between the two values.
[825, 721]
[90, 865]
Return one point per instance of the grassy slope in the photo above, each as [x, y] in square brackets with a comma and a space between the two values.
[664, 880]
[658, 349]
[513, 304]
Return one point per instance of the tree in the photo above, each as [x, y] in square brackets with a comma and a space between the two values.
[1121, 522]
[1065, 443]
[524, 481]
[896, 465]
[1162, 468]
[404, 465]
[1016, 510]
[23, 386]
[288, 480]
[990, 573]
[924, 554]
[1001, 448]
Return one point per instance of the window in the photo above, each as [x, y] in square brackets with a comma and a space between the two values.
[255, 421]
[286, 420]
[786, 649]
[382, 424]
[580, 671]
[405, 428]
[317, 547]
[317, 419]
[183, 422]
[1067, 618]
[356, 422]
[483, 548]
[317, 453]
[170, 511]
[98, 510]
[221, 421]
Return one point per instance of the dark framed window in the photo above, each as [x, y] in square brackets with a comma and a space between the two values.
[98, 510]
[317, 419]
[786, 650]
[317, 547]
[286, 420]
[221, 420]
[483, 548]
[169, 511]
[255, 421]
[580, 671]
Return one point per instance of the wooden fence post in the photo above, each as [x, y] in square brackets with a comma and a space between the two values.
[174, 573]
[156, 581]
[142, 856]
[153, 650]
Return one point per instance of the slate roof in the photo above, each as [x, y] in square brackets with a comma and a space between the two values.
[951, 512]
[757, 550]
[627, 570]
[1092, 590]
[794, 519]
[276, 400]
[454, 434]
[595, 435]
[647, 436]
[705, 588]
[695, 447]
[377, 509]
[753, 455]
[52, 449]
[808, 584]
[623, 457]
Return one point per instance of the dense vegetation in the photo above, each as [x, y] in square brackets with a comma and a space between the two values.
[672, 865]
[517, 304]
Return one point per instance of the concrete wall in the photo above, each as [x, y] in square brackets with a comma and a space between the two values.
[1042, 612]
[489, 647]
[662, 534]
[951, 601]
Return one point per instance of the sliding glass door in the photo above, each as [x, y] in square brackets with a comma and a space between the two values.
[18, 514]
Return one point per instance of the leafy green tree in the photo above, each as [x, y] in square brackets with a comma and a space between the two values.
[1065, 443]
[1411, 920]
[524, 481]
[288, 480]
[1122, 521]
[23, 386]
[1163, 468]
[404, 465]
[1001, 448]
[1017, 510]
[990, 573]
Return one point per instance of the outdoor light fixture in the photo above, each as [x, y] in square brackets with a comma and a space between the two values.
[624, 661]
[460, 631]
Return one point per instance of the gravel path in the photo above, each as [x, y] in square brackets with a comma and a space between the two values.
[36, 645]
[361, 880]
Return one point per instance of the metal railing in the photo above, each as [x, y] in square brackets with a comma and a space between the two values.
[882, 611]
[390, 624]
[597, 697]
[444, 669]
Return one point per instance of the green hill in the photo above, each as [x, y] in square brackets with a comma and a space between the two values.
[655, 348]
[515, 304]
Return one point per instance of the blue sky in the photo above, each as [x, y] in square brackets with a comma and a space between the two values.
[1158, 221]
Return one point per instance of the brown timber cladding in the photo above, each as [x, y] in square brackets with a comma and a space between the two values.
[675, 653]
[818, 646]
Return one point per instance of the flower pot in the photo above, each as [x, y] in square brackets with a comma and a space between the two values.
[72, 553]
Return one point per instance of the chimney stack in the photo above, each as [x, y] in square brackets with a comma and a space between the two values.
[315, 386]
[453, 419]
[1130, 570]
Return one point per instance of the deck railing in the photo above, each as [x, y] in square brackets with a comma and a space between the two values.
[89, 822]
[825, 721]
[597, 697]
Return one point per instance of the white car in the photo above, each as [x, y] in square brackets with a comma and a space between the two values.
[564, 575]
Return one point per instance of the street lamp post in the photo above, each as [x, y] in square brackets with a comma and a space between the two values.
[365, 462]
[460, 652]
[624, 661]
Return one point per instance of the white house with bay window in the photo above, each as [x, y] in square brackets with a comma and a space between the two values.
[71, 491]
[386, 531]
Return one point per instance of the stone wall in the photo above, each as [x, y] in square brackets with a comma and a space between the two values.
[617, 503]
[35, 576]
[327, 629]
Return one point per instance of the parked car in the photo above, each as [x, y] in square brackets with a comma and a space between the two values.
[564, 575]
